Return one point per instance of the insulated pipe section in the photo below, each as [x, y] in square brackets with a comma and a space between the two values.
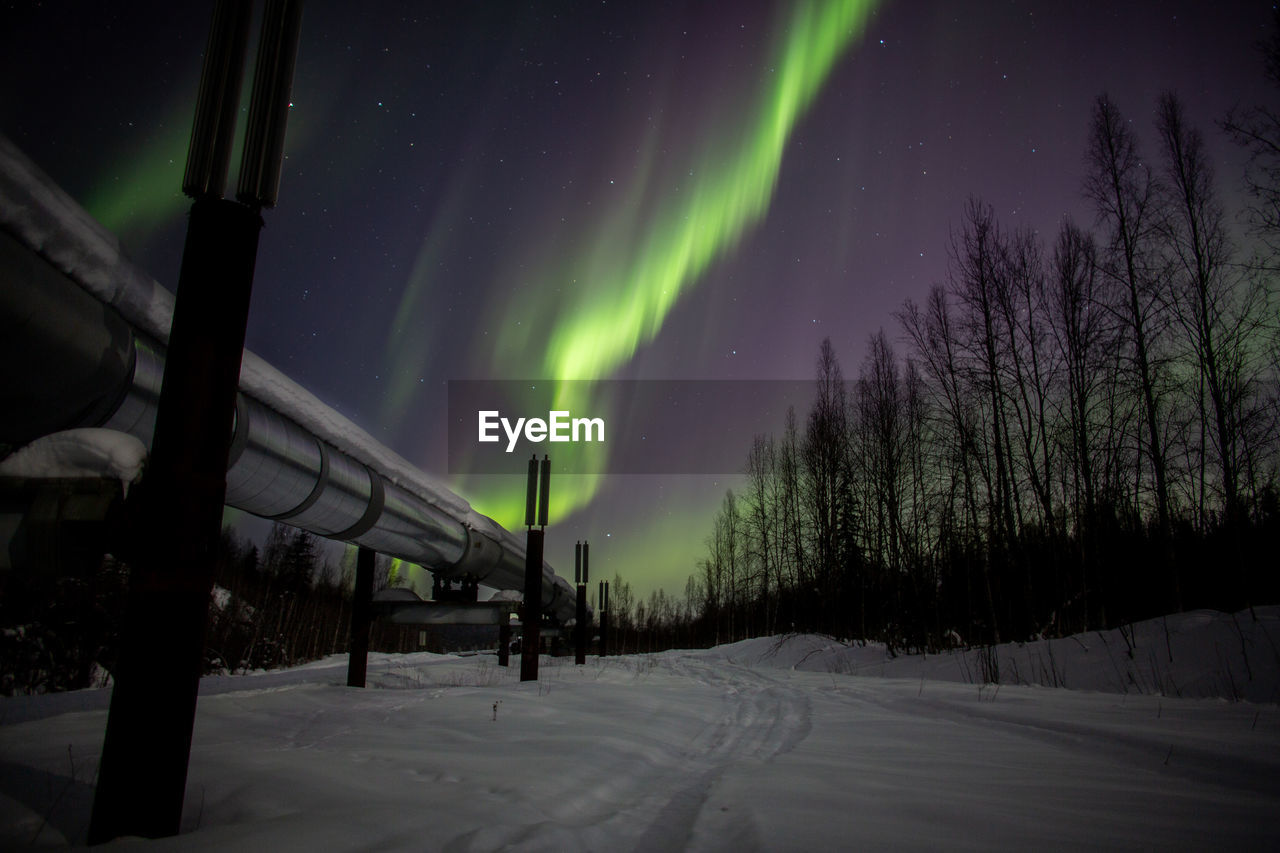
[278, 470]
[95, 324]
[104, 374]
[84, 350]
[136, 413]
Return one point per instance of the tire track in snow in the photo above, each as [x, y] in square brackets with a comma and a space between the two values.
[650, 794]
[762, 718]
[1121, 740]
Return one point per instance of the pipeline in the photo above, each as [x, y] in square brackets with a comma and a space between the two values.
[82, 340]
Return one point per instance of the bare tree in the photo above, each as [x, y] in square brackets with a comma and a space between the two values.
[825, 472]
[1257, 130]
[1123, 190]
[932, 330]
[1031, 363]
[1082, 335]
[1221, 308]
[762, 507]
[791, 519]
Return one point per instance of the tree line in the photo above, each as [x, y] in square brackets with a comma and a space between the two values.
[1079, 430]
[284, 604]
[280, 604]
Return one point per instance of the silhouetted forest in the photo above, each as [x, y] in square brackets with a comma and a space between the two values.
[282, 605]
[1076, 430]
[278, 605]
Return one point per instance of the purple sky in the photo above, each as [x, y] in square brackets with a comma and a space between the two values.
[468, 147]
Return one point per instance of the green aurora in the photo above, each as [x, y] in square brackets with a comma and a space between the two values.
[587, 318]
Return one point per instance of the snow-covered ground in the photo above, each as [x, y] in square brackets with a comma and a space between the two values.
[792, 743]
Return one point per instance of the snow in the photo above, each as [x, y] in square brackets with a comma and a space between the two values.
[1198, 654]
[221, 597]
[771, 744]
[40, 214]
[86, 452]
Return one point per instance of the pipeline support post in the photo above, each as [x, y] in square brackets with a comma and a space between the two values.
[581, 628]
[175, 515]
[504, 641]
[361, 618]
[603, 601]
[537, 496]
[175, 520]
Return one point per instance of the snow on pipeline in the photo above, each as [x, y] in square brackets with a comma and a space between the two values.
[1165, 735]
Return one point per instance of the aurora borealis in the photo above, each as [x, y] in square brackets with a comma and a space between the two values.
[573, 190]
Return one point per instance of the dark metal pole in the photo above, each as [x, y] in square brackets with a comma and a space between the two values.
[580, 623]
[263, 153]
[504, 640]
[361, 618]
[544, 492]
[580, 651]
[213, 131]
[604, 619]
[531, 493]
[175, 515]
[531, 619]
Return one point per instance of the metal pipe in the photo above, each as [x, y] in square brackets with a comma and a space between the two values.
[95, 325]
[209, 155]
[263, 154]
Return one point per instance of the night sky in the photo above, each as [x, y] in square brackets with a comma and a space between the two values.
[585, 190]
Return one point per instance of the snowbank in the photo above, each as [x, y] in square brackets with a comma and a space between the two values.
[736, 748]
[1201, 654]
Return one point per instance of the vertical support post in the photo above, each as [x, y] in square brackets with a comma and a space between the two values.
[531, 493]
[504, 640]
[544, 491]
[263, 153]
[580, 632]
[361, 618]
[604, 619]
[213, 130]
[175, 515]
[531, 619]
[175, 519]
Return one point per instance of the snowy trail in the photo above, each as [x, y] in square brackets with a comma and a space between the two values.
[761, 718]
[935, 765]
[708, 751]
[1177, 745]
[648, 793]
